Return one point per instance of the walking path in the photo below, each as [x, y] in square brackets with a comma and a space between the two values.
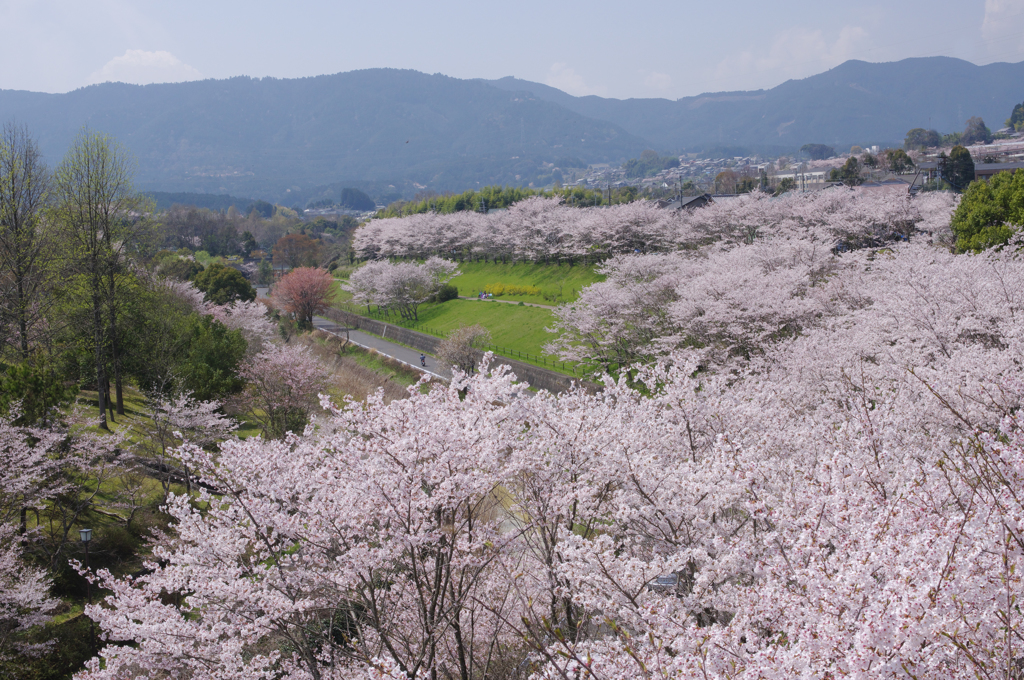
[407, 356]
[507, 302]
[397, 352]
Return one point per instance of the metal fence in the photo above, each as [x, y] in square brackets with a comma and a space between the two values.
[564, 366]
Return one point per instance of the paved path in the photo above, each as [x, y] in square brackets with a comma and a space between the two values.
[507, 302]
[398, 352]
[385, 347]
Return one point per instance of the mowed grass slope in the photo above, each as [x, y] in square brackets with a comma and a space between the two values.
[517, 330]
[558, 283]
[511, 326]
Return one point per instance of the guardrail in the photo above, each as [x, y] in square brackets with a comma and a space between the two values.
[564, 366]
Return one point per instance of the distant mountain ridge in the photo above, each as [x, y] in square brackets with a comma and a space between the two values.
[270, 137]
[856, 102]
[292, 140]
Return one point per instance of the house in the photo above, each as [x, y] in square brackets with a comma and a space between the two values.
[986, 170]
[893, 185]
[686, 202]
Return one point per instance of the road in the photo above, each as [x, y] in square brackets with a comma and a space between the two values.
[397, 352]
[385, 347]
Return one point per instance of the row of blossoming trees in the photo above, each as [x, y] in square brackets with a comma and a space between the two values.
[822, 453]
[545, 230]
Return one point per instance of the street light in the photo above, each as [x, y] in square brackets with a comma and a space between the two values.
[86, 535]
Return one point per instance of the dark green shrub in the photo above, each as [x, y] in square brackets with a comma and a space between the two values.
[35, 387]
[209, 369]
[990, 212]
[223, 284]
[447, 292]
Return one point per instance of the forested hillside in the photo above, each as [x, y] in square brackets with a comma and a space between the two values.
[271, 138]
[393, 133]
[855, 103]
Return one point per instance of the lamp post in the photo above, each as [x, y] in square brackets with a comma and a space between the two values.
[86, 535]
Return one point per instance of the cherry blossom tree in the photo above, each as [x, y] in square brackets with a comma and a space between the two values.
[282, 384]
[545, 230]
[365, 553]
[248, 317]
[304, 293]
[24, 597]
[251, 318]
[460, 347]
[28, 477]
[893, 554]
[400, 286]
[812, 470]
[172, 421]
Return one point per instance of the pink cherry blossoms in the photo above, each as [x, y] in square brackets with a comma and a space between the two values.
[400, 286]
[27, 469]
[814, 471]
[543, 229]
[248, 317]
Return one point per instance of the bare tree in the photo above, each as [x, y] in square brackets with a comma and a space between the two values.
[26, 253]
[99, 216]
[460, 348]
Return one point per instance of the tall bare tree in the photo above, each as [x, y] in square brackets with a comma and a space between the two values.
[26, 252]
[100, 218]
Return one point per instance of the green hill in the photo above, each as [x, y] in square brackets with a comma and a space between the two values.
[274, 138]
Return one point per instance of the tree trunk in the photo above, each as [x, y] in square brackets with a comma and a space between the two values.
[101, 375]
[22, 318]
[115, 355]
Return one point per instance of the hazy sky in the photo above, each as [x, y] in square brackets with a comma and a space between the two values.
[656, 48]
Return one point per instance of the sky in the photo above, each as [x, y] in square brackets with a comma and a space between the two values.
[670, 49]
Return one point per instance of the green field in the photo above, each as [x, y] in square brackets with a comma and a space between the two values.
[517, 332]
[511, 326]
[558, 283]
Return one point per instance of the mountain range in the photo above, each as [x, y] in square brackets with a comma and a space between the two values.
[393, 132]
[856, 102]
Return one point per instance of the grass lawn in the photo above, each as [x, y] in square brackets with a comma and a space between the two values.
[135, 415]
[516, 331]
[380, 364]
[340, 294]
[558, 283]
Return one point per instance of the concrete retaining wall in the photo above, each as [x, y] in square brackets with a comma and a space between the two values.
[538, 377]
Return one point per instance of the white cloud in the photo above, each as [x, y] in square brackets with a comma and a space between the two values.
[658, 81]
[1003, 29]
[794, 53]
[567, 80]
[141, 68]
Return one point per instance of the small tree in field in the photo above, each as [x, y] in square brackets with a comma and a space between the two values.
[284, 384]
[459, 348]
[296, 250]
[305, 292]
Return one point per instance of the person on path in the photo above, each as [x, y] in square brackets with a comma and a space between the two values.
[423, 360]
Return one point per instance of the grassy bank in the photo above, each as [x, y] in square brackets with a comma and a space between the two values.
[557, 283]
[516, 332]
